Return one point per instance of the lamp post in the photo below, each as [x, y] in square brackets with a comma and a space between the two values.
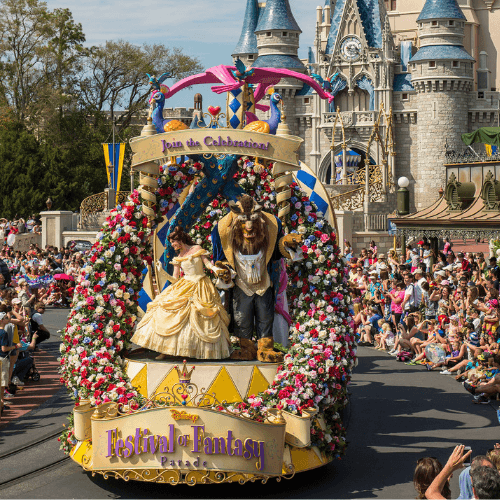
[403, 196]
[110, 171]
[403, 204]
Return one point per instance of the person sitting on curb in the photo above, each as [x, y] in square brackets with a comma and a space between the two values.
[36, 324]
[24, 363]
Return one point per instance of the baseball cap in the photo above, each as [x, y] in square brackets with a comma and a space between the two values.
[2, 315]
[441, 273]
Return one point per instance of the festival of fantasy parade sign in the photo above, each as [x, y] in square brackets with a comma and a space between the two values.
[196, 439]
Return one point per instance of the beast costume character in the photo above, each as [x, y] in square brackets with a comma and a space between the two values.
[246, 244]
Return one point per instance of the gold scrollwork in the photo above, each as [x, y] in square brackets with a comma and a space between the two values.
[191, 478]
[214, 120]
[349, 201]
[92, 205]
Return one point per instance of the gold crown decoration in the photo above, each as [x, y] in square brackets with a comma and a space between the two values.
[184, 374]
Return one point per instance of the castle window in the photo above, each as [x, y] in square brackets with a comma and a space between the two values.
[269, 33]
[456, 64]
[432, 64]
[480, 95]
[405, 97]
[250, 57]
[451, 23]
[434, 23]
[285, 33]
[390, 5]
[307, 100]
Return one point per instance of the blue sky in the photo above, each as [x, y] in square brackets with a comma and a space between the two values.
[202, 28]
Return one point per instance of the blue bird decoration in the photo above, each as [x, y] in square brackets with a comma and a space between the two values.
[266, 126]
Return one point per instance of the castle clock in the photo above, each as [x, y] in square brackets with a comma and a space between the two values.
[350, 48]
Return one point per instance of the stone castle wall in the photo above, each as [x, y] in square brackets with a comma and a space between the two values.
[442, 117]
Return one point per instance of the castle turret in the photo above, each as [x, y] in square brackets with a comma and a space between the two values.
[442, 75]
[246, 49]
[278, 37]
[278, 43]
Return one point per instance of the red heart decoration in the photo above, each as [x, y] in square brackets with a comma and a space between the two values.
[214, 110]
[184, 396]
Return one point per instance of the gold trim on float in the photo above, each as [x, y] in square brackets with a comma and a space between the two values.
[191, 478]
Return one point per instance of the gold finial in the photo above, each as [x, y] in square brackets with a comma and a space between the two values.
[283, 128]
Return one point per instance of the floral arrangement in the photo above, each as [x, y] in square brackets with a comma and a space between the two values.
[318, 363]
[316, 369]
[104, 307]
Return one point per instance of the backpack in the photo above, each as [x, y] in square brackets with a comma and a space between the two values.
[404, 356]
[4, 269]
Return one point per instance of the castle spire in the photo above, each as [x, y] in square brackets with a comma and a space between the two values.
[247, 43]
[441, 9]
[277, 15]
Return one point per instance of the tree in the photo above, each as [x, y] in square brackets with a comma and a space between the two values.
[40, 53]
[115, 75]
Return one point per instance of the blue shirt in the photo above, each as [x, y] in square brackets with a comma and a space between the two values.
[474, 339]
[4, 341]
[374, 321]
[465, 484]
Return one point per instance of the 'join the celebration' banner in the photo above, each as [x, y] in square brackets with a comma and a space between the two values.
[114, 155]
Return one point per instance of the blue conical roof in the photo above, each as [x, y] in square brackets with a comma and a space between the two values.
[277, 15]
[441, 9]
[247, 43]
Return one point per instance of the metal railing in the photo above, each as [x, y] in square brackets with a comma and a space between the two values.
[351, 118]
[376, 222]
[92, 206]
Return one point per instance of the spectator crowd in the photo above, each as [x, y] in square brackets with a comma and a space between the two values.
[432, 308]
[19, 226]
[29, 282]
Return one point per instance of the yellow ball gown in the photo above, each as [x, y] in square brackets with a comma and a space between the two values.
[188, 318]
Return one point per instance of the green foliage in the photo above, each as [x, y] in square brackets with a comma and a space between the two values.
[54, 95]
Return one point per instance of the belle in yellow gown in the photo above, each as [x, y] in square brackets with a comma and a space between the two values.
[187, 318]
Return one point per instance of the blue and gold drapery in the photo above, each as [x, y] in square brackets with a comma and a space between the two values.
[115, 158]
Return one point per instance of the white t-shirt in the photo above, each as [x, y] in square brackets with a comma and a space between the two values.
[427, 258]
[37, 317]
[414, 292]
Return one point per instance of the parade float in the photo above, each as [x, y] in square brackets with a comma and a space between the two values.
[201, 421]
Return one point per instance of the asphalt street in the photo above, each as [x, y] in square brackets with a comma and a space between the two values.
[397, 414]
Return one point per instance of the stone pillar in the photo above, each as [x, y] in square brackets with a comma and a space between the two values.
[344, 223]
[110, 198]
[53, 225]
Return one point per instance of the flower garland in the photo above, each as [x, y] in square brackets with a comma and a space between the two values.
[316, 369]
[104, 307]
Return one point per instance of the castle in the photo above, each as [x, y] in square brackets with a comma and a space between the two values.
[427, 60]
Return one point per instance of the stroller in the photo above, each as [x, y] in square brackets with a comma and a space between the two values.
[33, 373]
